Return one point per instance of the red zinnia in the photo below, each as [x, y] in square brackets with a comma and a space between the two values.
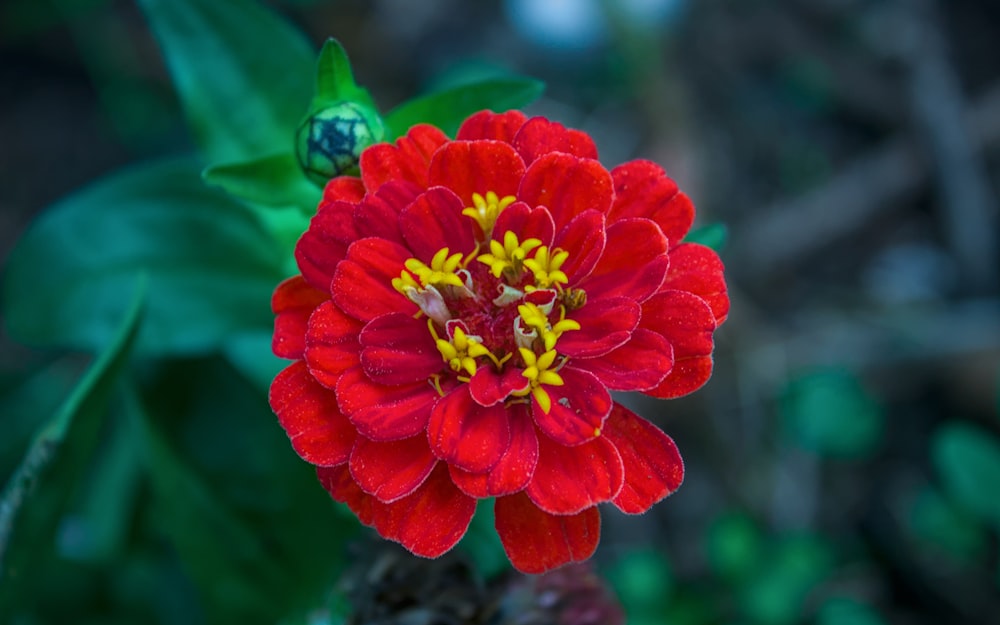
[464, 309]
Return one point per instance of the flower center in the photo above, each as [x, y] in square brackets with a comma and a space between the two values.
[506, 310]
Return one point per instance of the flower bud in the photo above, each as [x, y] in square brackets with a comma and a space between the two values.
[330, 141]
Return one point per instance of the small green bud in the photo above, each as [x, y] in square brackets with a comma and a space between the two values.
[330, 141]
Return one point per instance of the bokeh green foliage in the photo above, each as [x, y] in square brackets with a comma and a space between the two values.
[829, 412]
[749, 575]
[751, 572]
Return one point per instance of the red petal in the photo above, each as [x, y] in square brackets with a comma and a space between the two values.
[675, 218]
[434, 220]
[489, 387]
[634, 263]
[319, 433]
[653, 466]
[514, 470]
[344, 189]
[332, 344]
[642, 189]
[639, 365]
[525, 222]
[578, 408]
[687, 376]
[430, 521]
[292, 303]
[536, 541]
[407, 160]
[398, 349]
[378, 214]
[393, 469]
[385, 413]
[338, 482]
[539, 136]
[490, 125]
[567, 185]
[688, 323]
[468, 167]
[568, 480]
[584, 238]
[325, 243]
[362, 284]
[604, 325]
[467, 435]
[698, 269]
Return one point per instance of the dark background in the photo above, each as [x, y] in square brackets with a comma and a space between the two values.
[849, 147]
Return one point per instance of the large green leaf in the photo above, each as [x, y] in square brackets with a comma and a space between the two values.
[37, 494]
[244, 75]
[273, 180]
[967, 458]
[96, 526]
[251, 355]
[446, 109]
[224, 556]
[211, 264]
[249, 521]
[27, 399]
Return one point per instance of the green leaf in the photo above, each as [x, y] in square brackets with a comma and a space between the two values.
[483, 544]
[212, 266]
[447, 109]
[828, 411]
[96, 529]
[27, 400]
[215, 446]
[223, 555]
[713, 236]
[967, 458]
[251, 355]
[36, 495]
[274, 180]
[335, 79]
[244, 75]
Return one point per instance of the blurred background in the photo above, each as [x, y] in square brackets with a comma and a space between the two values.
[843, 464]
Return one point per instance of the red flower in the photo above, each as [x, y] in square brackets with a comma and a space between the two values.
[464, 309]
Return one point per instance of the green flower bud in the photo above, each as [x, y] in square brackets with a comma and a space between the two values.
[330, 141]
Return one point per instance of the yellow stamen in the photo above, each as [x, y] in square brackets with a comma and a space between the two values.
[441, 272]
[509, 256]
[546, 265]
[535, 318]
[435, 381]
[405, 282]
[461, 351]
[485, 210]
[539, 371]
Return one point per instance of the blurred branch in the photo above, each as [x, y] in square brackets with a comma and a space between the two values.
[786, 232]
[962, 183]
